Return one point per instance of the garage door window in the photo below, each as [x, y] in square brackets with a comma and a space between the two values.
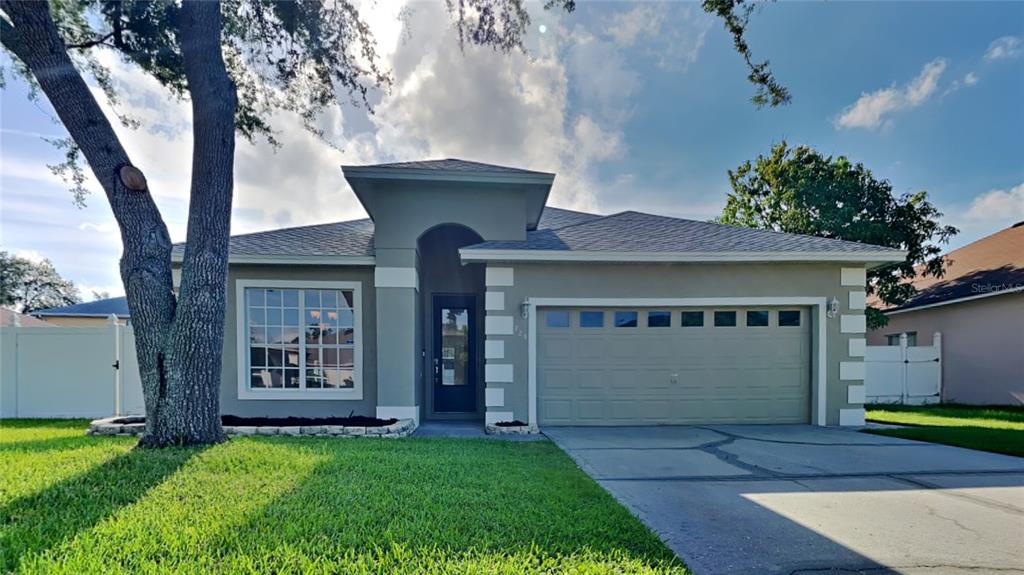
[557, 319]
[591, 319]
[625, 318]
[659, 318]
[789, 318]
[692, 319]
[758, 318]
[725, 319]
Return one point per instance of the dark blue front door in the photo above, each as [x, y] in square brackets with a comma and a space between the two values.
[454, 362]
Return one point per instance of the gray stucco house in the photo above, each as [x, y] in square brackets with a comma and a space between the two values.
[464, 296]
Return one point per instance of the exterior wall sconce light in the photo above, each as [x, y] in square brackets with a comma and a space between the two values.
[524, 309]
[833, 307]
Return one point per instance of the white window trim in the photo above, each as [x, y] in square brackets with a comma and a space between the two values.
[242, 341]
[818, 305]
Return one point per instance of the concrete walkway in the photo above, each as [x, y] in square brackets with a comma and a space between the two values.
[806, 500]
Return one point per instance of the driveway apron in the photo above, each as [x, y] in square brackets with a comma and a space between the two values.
[807, 500]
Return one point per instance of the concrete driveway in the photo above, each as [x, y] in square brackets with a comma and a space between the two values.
[807, 500]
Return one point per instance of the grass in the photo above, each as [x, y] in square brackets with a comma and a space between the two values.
[76, 504]
[995, 429]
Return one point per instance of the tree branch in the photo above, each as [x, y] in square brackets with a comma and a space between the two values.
[93, 43]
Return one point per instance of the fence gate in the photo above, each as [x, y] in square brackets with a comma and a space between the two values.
[904, 374]
[69, 372]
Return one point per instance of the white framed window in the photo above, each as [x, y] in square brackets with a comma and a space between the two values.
[299, 339]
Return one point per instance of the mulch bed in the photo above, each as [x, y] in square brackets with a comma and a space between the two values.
[351, 421]
[513, 423]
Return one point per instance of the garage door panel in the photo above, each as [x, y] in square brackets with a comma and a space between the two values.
[665, 375]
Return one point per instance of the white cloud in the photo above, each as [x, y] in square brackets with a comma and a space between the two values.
[998, 205]
[1004, 47]
[871, 109]
[672, 32]
[970, 79]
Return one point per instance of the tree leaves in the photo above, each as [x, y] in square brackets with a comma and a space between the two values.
[28, 286]
[797, 190]
[735, 15]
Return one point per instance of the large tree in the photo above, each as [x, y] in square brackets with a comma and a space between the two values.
[800, 191]
[238, 62]
[27, 286]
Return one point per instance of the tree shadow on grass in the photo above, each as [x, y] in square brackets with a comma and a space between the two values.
[455, 505]
[1003, 441]
[43, 520]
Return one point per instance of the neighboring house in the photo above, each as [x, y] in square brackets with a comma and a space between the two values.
[464, 297]
[978, 306]
[11, 317]
[88, 314]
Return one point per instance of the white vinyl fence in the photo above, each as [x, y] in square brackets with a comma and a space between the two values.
[69, 372]
[904, 374]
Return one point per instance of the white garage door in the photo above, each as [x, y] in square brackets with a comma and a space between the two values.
[618, 366]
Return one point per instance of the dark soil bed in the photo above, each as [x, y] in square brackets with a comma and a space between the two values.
[353, 421]
[234, 420]
[513, 423]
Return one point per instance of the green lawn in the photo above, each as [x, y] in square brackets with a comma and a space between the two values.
[997, 429]
[76, 504]
[72, 503]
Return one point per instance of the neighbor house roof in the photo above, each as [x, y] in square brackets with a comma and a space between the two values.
[991, 266]
[99, 308]
[450, 165]
[636, 236]
[349, 239]
[7, 318]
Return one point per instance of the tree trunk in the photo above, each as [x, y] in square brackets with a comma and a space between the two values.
[178, 342]
[191, 412]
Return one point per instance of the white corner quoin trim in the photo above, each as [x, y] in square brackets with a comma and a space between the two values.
[498, 373]
[851, 416]
[851, 370]
[858, 300]
[494, 301]
[856, 277]
[242, 341]
[494, 397]
[858, 347]
[855, 394]
[820, 303]
[853, 323]
[399, 412]
[499, 277]
[498, 325]
[494, 349]
[396, 278]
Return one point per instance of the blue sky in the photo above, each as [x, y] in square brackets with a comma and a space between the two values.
[635, 105]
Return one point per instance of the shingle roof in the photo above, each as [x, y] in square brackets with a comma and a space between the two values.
[99, 308]
[992, 264]
[341, 239]
[351, 238]
[452, 164]
[648, 233]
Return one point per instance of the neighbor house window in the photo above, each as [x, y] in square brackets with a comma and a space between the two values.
[659, 318]
[591, 319]
[299, 341]
[557, 319]
[625, 318]
[789, 318]
[894, 339]
[757, 318]
[725, 319]
[692, 319]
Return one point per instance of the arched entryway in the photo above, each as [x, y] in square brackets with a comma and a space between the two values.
[451, 305]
